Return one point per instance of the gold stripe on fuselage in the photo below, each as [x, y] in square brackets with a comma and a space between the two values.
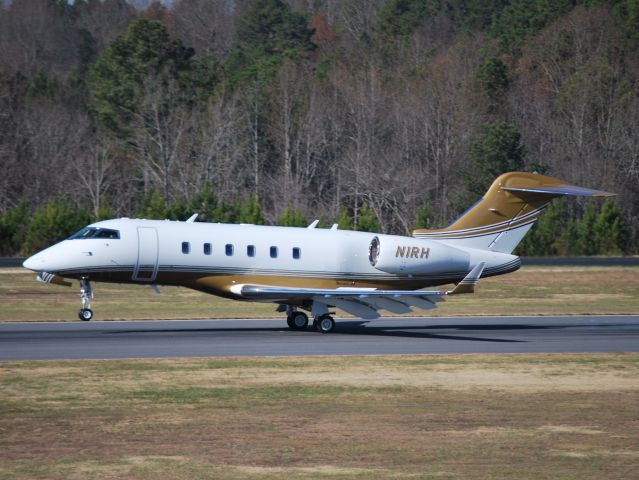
[220, 283]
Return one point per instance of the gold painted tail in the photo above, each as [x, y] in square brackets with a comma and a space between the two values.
[510, 207]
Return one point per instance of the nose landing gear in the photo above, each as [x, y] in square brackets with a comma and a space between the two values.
[86, 294]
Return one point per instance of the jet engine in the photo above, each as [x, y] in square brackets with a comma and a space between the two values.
[412, 256]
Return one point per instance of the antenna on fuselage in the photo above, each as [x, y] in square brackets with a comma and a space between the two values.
[192, 218]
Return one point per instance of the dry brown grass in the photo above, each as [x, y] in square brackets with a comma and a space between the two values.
[529, 291]
[479, 416]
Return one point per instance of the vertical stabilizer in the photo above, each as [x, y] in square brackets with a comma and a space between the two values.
[507, 211]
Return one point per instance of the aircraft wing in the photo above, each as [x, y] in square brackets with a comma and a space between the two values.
[361, 302]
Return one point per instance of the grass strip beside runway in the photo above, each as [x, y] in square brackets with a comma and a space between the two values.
[529, 291]
[463, 416]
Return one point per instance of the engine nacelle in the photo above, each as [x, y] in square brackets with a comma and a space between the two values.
[412, 256]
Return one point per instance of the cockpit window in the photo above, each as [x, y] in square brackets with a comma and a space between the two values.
[94, 232]
[106, 233]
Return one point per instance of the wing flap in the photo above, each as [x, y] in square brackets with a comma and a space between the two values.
[355, 308]
[361, 302]
[424, 303]
[385, 303]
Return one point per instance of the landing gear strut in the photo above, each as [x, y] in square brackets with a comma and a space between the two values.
[86, 294]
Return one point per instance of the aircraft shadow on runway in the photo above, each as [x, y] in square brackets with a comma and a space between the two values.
[363, 328]
[366, 328]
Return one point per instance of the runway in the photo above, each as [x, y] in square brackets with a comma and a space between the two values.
[387, 336]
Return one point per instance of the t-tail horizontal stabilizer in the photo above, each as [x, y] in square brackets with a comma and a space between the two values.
[558, 190]
[467, 285]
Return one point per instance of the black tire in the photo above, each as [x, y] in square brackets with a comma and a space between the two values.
[325, 324]
[297, 321]
[85, 314]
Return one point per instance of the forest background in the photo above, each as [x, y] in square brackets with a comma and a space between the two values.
[379, 115]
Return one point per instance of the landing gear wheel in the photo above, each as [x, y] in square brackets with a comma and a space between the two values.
[86, 294]
[325, 324]
[297, 321]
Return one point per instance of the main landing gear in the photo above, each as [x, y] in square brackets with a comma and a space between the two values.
[324, 324]
[86, 294]
[297, 320]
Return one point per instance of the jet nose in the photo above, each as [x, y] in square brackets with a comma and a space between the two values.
[34, 262]
[28, 263]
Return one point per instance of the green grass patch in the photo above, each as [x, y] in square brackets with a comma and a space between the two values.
[529, 291]
[441, 416]
[234, 396]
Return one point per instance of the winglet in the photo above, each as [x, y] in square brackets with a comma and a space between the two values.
[467, 285]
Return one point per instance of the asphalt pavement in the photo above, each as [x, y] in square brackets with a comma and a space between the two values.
[271, 337]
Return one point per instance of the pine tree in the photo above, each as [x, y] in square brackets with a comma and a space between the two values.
[586, 244]
[206, 205]
[144, 53]
[344, 220]
[54, 222]
[491, 78]
[497, 149]
[401, 17]
[271, 25]
[153, 207]
[13, 229]
[567, 243]
[367, 221]
[609, 231]
[422, 215]
[543, 239]
[251, 212]
[292, 218]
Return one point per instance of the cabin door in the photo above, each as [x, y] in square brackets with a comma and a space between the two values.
[146, 268]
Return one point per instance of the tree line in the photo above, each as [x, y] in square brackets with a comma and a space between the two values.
[384, 115]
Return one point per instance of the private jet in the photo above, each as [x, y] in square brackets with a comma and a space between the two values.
[310, 270]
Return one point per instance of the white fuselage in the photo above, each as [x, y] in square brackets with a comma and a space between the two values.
[213, 257]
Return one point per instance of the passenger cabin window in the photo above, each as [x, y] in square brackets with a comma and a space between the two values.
[250, 250]
[95, 232]
[297, 253]
[186, 247]
[273, 252]
[229, 249]
[207, 249]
